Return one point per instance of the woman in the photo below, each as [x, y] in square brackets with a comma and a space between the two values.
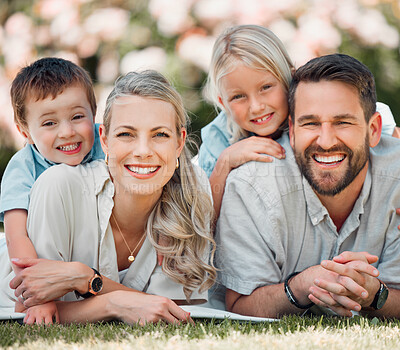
[109, 218]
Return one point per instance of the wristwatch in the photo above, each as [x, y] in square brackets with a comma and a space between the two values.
[380, 296]
[95, 285]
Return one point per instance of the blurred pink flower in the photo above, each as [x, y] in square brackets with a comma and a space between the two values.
[108, 68]
[65, 27]
[109, 23]
[7, 115]
[197, 49]
[347, 14]
[18, 24]
[283, 29]
[255, 12]
[49, 9]
[68, 55]
[319, 33]
[42, 35]
[149, 58]
[102, 93]
[172, 15]
[373, 29]
[210, 12]
[88, 45]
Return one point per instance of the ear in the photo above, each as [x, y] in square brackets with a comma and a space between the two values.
[25, 133]
[181, 141]
[375, 129]
[103, 138]
[220, 101]
[291, 132]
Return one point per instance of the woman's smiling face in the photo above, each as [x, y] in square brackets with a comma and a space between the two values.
[142, 144]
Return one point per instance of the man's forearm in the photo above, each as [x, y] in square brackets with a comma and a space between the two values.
[268, 301]
[391, 309]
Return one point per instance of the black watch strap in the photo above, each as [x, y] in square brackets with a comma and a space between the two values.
[290, 295]
[380, 296]
[97, 276]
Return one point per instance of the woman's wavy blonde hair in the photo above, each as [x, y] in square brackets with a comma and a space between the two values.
[183, 214]
[256, 47]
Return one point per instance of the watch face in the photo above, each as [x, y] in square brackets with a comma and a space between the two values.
[382, 298]
[97, 284]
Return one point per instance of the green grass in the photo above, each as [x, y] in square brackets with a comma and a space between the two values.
[290, 333]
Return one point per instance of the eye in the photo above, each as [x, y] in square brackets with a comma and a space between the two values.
[124, 134]
[342, 122]
[78, 116]
[310, 124]
[48, 124]
[161, 134]
[237, 97]
[266, 87]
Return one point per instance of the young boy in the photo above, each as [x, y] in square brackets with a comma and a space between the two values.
[54, 109]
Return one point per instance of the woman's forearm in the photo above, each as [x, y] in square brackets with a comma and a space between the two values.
[130, 307]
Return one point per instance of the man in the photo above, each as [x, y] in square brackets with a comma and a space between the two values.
[316, 227]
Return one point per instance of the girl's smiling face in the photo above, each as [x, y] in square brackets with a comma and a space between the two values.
[143, 144]
[255, 99]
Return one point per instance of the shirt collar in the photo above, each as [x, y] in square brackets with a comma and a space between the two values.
[317, 211]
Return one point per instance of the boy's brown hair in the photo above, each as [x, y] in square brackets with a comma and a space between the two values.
[47, 77]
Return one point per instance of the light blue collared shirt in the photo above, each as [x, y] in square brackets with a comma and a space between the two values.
[25, 167]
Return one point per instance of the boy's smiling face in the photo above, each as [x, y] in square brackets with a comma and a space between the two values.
[62, 129]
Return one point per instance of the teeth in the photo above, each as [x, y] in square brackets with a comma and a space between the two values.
[142, 171]
[262, 119]
[330, 159]
[67, 148]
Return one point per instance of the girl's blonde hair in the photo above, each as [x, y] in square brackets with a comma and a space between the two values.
[256, 47]
[183, 214]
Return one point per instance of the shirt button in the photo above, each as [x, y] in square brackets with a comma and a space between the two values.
[314, 220]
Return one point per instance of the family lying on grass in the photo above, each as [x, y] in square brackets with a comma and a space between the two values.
[302, 202]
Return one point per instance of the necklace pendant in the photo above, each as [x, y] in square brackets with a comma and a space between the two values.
[131, 258]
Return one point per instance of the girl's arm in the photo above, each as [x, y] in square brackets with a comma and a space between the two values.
[396, 132]
[253, 148]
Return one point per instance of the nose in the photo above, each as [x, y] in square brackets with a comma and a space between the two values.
[142, 148]
[256, 104]
[66, 130]
[327, 136]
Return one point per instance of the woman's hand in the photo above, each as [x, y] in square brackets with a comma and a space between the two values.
[134, 307]
[42, 314]
[41, 280]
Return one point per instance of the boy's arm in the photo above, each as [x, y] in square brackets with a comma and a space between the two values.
[42, 314]
[18, 243]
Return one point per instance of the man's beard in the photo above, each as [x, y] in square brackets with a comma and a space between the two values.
[327, 183]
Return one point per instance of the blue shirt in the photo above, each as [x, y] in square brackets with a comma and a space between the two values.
[25, 167]
[215, 137]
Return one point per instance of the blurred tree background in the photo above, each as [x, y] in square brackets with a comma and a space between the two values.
[112, 37]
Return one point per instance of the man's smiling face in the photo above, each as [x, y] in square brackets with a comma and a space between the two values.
[330, 135]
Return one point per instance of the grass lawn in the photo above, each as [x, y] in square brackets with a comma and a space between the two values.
[290, 333]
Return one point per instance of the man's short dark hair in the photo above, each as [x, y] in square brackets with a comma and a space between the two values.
[342, 68]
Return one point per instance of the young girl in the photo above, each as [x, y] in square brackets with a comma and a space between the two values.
[250, 73]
